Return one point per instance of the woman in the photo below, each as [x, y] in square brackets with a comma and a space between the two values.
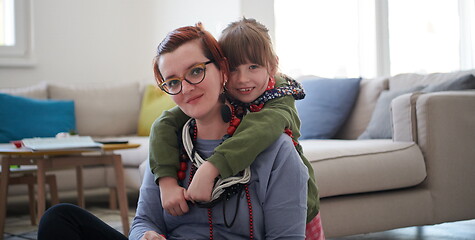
[267, 203]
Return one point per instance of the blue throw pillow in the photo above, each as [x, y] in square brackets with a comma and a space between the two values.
[379, 127]
[462, 83]
[22, 117]
[327, 105]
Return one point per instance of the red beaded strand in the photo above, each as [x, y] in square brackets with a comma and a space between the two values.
[210, 222]
[232, 127]
[251, 220]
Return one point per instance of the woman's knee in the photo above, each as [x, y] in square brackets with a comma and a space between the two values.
[58, 212]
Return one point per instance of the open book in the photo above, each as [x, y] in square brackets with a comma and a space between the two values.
[73, 142]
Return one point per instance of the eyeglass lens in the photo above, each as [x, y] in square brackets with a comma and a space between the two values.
[194, 76]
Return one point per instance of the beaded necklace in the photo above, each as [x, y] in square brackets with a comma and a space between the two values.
[228, 191]
[238, 111]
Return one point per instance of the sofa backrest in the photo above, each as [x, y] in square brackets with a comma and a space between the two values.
[408, 80]
[370, 89]
[103, 110]
[39, 91]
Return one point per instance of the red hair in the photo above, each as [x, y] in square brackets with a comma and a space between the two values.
[180, 36]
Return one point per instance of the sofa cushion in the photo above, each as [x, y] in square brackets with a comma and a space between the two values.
[134, 157]
[22, 117]
[38, 91]
[103, 110]
[347, 166]
[405, 80]
[379, 126]
[154, 102]
[326, 106]
[462, 83]
[355, 125]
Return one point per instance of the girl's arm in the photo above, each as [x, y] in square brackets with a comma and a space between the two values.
[164, 161]
[149, 214]
[257, 131]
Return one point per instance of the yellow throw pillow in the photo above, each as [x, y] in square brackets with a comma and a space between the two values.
[154, 102]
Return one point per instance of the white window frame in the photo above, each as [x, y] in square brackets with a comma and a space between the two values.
[467, 34]
[467, 58]
[21, 53]
[377, 62]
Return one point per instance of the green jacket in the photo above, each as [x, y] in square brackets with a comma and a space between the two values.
[257, 131]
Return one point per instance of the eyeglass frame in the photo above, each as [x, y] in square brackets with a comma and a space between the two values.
[183, 78]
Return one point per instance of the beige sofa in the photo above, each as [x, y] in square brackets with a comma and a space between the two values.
[424, 175]
[101, 111]
[421, 176]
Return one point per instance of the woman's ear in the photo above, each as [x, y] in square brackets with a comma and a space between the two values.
[225, 81]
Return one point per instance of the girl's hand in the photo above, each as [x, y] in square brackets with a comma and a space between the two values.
[151, 235]
[201, 186]
[173, 196]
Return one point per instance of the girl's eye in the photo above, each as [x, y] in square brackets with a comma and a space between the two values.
[254, 66]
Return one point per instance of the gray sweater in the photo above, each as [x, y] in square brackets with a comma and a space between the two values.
[278, 189]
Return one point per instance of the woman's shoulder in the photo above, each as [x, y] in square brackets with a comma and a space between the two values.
[283, 143]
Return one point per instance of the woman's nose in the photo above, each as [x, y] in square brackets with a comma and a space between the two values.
[186, 87]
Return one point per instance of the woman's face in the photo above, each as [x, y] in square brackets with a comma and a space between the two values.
[197, 101]
[247, 82]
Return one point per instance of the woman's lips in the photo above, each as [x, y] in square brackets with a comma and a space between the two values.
[193, 99]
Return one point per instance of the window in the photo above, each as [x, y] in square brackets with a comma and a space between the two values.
[15, 36]
[350, 38]
[322, 37]
[423, 39]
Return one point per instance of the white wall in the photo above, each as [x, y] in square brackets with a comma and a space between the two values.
[88, 41]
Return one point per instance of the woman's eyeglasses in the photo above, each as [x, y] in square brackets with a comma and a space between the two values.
[194, 75]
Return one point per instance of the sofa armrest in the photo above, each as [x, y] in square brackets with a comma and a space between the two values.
[403, 117]
[446, 136]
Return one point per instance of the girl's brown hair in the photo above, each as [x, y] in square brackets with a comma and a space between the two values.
[248, 40]
[180, 36]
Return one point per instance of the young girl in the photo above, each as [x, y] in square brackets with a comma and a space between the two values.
[254, 84]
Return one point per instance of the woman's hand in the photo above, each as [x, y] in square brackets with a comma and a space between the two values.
[151, 235]
[173, 196]
[201, 186]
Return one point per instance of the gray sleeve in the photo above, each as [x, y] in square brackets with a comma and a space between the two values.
[149, 214]
[285, 201]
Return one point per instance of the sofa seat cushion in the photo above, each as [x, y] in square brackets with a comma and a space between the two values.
[358, 166]
[132, 157]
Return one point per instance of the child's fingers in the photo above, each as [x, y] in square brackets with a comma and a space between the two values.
[184, 207]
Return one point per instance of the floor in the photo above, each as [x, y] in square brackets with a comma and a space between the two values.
[18, 226]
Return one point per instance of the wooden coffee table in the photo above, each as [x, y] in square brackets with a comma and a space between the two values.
[60, 159]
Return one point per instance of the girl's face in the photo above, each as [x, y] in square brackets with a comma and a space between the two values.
[197, 101]
[247, 82]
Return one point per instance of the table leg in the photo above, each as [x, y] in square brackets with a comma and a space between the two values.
[112, 198]
[4, 175]
[120, 184]
[31, 198]
[53, 189]
[41, 181]
[80, 187]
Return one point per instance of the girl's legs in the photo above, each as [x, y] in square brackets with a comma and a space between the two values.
[314, 230]
[67, 221]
